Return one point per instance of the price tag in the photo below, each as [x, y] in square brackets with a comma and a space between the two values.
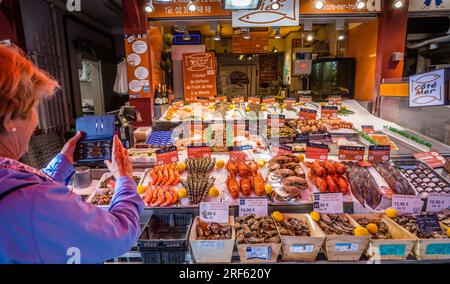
[305, 99]
[198, 151]
[308, 114]
[276, 120]
[354, 153]
[334, 100]
[167, 156]
[210, 245]
[438, 249]
[203, 100]
[317, 151]
[221, 99]
[329, 111]
[407, 204]
[428, 223]
[263, 253]
[278, 150]
[379, 153]
[178, 102]
[237, 100]
[368, 129]
[329, 203]
[214, 212]
[290, 102]
[268, 100]
[254, 100]
[239, 153]
[437, 202]
[257, 206]
[301, 248]
[346, 247]
[432, 159]
[398, 250]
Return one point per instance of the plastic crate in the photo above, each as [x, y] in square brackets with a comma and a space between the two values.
[166, 256]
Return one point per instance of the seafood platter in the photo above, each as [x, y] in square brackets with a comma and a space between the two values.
[103, 193]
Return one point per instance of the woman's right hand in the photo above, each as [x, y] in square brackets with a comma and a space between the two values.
[120, 164]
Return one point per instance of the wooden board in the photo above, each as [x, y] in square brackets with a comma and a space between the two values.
[214, 254]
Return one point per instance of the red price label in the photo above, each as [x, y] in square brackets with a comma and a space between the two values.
[355, 153]
[237, 100]
[335, 100]
[431, 158]
[199, 151]
[280, 150]
[221, 99]
[379, 153]
[167, 156]
[329, 111]
[368, 129]
[269, 100]
[305, 99]
[308, 114]
[316, 151]
[289, 102]
[240, 153]
[254, 100]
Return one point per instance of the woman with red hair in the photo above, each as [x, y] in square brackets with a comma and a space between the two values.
[41, 220]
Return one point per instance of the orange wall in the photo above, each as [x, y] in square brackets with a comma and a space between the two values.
[362, 45]
[156, 46]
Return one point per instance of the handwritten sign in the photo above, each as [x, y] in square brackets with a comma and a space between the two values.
[214, 212]
[317, 151]
[198, 151]
[379, 153]
[437, 202]
[307, 114]
[353, 153]
[329, 203]
[167, 156]
[407, 204]
[199, 73]
[428, 223]
[257, 206]
[329, 111]
[368, 129]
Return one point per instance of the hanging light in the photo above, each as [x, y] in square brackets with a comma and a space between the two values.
[310, 37]
[191, 6]
[217, 36]
[247, 34]
[341, 36]
[398, 4]
[275, 5]
[186, 35]
[277, 33]
[319, 4]
[360, 4]
[149, 7]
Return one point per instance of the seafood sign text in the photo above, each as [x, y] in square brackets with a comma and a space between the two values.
[239, 273]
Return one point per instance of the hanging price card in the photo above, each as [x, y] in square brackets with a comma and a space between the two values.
[407, 204]
[221, 99]
[214, 212]
[268, 100]
[368, 129]
[290, 102]
[329, 111]
[334, 100]
[239, 153]
[437, 202]
[198, 151]
[257, 206]
[254, 100]
[329, 203]
[279, 150]
[167, 156]
[316, 151]
[276, 120]
[354, 153]
[305, 99]
[307, 114]
[379, 153]
[237, 100]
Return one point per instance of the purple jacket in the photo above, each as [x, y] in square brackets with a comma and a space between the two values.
[43, 222]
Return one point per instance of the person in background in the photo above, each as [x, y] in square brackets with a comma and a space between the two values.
[41, 220]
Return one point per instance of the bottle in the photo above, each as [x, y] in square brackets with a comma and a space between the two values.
[165, 94]
[158, 100]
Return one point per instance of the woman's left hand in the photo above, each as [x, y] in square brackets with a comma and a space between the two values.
[69, 149]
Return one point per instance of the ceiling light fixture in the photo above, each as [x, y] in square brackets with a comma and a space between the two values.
[247, 34]
[186, 35]
[240, 4]
[398, 4]
[191, 6]
[217, 35]
[277, 33]
[149, 7]
[310, 37]
[341, 36]
[360, 4]
[275, 5]
[319, 5]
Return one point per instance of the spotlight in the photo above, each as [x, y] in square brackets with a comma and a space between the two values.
[341, 36]
[241, 3]
[186, 35]
[310, 37]
[319, 5]
[217, 36]
[149, 7]
[277, 33]
[360, 5]
[275, 5]
[398, 4]
[192, 7]
[247, 34]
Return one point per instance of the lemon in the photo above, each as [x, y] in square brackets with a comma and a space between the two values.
[268, 189]
[141, 189]
[323, 104]
[301, 158]
[277, 216]
[231, 107]
[182, 193]
[264, 108]
[372, 228]
[315, 216]
[448, 232]
[211, 107]
[263, 104]
[360, 231]
[247, 109]
[391, 213]
[298, 104]
[344, 107]
[181, 167]
[220, 164]
[213, 192]
[261, 163]
[283, 106]
[168, 118]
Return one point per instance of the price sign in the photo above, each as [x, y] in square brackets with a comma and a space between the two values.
[317, 151]
[379, 153]
[290, 102]
[199, 151]
[437, 202]
[237, 100]
[329, 203]
[334, 100]
[276, 120]
[203, 100]
[278, 150]
[300, 248]
[178, 102]
[431, 158]
[254, 100]
[398, 250]
[167, 156]
[368, 129]
[346, 247]
[329, 111]
[257, 206]
[221, 99]
[428, 223]
[407, 204]
[214, 212]
[307, 114]
[268, 100]
[354, 153]
[305, 99]
[263, 253]
[434, 249]
[210, 245]
[239, 153]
